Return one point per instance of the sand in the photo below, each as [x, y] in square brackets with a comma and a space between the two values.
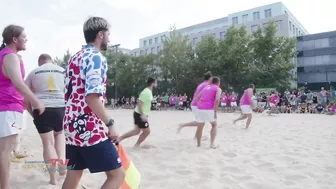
[285, 151]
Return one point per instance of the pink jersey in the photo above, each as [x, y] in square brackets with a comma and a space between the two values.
[199, 88]
[244, 100]
[171, 100]
[181, 99]
[233, 98]
[273, 99]
[208, 98]
[10, 98]
[223, 99]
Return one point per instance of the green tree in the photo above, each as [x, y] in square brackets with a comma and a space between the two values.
[234, 54]
[63, 61]
[273, 58]
[175, 62]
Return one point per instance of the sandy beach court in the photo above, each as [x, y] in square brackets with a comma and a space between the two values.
[285, 151]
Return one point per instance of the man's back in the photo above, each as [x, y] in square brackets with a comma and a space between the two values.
[47, 82]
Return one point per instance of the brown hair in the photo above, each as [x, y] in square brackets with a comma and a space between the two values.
[8, 33]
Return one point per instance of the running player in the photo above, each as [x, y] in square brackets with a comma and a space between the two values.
[246, 106]
[141, 113]
[88, 146]
[47, 83]
[207, 105]
[13, 94]
[200, 87]
[273, 101]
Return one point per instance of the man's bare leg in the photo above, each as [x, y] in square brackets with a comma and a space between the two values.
[129, 134]
[190, 124]
[49, 152]
[241, 117]
[60, 149]
[6, 147]
[142, 137]
[248, 122]
[199, 133]
[72, 179]
[114, 179]
[213, 134]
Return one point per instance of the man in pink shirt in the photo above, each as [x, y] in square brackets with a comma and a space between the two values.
[13, 93]
[207, 105]
[200, 87]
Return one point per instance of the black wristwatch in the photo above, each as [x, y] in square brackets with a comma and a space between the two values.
[110, 123]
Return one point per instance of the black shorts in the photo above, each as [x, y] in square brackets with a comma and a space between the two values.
[138, 121]
[100, 157]
[50, 120]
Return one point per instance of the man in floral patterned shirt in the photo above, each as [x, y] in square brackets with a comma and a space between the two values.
[87, 126]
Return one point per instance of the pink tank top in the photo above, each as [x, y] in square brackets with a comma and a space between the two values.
[223, 99]
[10, 98]
[244, 100]
[199, 88]
[273, 99]
[207, 100]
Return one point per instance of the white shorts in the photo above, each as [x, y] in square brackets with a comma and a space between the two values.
[194, 111]
[234, 104]
[223, 104]
[180, 103]
[11, 123]
[246, 109]
[204, 116]
[272, 105]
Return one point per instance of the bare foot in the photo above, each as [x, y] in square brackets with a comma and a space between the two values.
[234, 122]
[213, 146]
[62, 172]
[137, 146]
[198, 146]
[179, 128]
[53, 182]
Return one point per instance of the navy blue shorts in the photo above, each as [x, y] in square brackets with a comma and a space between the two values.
[101, 157]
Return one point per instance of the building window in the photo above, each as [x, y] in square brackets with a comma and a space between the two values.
[245, 16]
[145, 43]
[141, 52]
[152, 50]
[293, 29]
[254, 28]
[135, 54]
[214, 35]
[297, 33]
[158, 49]
[150, 41]
[222, 35]
[278, 25]
[194, 41]
[286, 12]
[268, 13]
[290, 26]
[163, 38]
[156, 40]
[235, 20]
[265, 25]
[146, 52]
[256, 15]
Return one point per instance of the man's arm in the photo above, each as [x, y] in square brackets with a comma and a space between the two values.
[140, 109]
[218, 96]
[26, 101]
[94, 89]
[250, 95]
[12, 71]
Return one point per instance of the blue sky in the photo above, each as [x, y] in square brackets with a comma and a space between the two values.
[53, 26]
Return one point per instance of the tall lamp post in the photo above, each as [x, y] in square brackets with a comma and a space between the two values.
[115, 77]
